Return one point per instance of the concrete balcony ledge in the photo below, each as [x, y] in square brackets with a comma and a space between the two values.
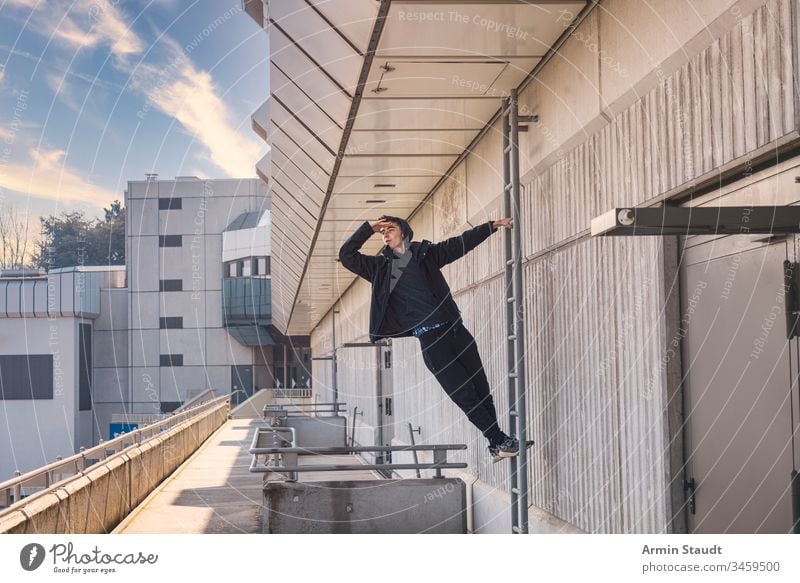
[98, 499]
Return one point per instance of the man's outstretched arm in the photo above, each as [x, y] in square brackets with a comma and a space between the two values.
[456, 247]
[358, 263]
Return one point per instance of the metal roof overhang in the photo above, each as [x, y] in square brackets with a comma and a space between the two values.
[372, 104]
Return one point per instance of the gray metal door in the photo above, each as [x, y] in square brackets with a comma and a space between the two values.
[241, 378]
[737, 383]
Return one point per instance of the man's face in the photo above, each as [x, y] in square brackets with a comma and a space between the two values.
[392, 235]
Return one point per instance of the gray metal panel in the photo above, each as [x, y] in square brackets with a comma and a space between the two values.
[354, 18]
[430, 113]
[302, 136]
[302, 105]
[303, 186]
[281, 143]
[396, 165]
[309, 77]
[532, 26]
[306, 27]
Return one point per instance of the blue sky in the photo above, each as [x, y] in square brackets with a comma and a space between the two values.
[94, 93]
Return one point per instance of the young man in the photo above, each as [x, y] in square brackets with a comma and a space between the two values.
[410, 297]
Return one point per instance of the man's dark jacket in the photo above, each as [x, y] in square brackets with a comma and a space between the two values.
[377, 269]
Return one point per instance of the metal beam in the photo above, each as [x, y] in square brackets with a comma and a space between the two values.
[670, 220]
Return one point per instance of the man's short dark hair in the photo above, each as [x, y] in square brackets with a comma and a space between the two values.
[405, 228]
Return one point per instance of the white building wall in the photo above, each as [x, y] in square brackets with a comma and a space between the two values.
[36, 432]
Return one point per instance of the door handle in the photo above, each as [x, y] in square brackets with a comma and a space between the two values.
[690, 485]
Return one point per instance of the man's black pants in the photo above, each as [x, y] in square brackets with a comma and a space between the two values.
[451, 354]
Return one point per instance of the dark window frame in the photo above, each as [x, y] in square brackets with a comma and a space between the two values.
[85, 365]
[170, 322]
[171, 360]
[170, 204]
[170, 240]
[170, 285]
[26, 377]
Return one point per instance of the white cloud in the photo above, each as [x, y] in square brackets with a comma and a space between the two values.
[48, 177]
[188, 94]
[23, 3]
[174, 86]
[84, 23]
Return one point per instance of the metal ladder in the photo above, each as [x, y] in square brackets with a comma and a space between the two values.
[517, 420]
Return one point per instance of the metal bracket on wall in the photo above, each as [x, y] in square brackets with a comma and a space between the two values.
[704, 220]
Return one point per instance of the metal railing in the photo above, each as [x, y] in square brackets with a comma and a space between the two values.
[303, 409]
[46, 477]
[284, 459]
[293, 393]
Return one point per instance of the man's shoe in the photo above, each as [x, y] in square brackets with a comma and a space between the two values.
[494, 453]
[509, 447]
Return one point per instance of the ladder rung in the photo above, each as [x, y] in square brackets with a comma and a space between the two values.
[512, 375]
[512, 336]
[517, 529]
[507, 187]
[507, 149]
[510, 261]
[510, 299]
[515, 491]
[512, 413]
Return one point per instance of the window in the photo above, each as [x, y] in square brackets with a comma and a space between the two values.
[170, 322]
[232, 269]
[239, 268]
[26, 376]
[171, 360]
[169, 285]
[170, 241]
[169, 204]
[246, 268]
[263, 266]
[84, 367]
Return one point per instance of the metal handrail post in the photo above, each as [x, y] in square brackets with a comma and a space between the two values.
[334, 384]
[413, 443]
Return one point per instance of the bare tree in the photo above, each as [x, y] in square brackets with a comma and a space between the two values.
[14, 232]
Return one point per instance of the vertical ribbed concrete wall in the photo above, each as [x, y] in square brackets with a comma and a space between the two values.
[596, 331]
